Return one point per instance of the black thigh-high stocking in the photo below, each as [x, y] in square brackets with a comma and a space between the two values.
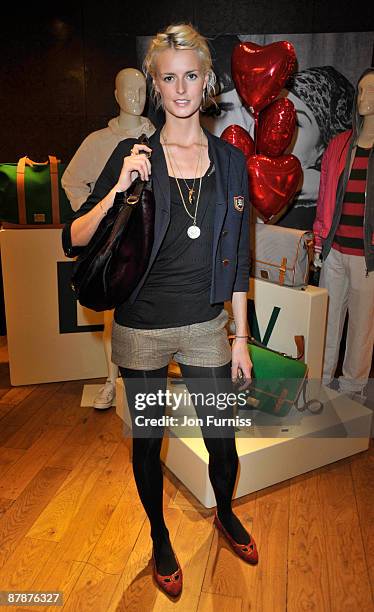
[146, 447]
[219, 440]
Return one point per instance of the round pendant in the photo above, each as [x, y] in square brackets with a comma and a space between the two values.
[193, 232]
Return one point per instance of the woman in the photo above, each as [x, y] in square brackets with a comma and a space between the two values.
[199, 259]
[323, 101]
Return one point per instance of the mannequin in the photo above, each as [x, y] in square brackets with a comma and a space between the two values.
[344, 235]
[85, 167]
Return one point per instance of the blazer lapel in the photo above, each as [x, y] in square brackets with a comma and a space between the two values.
[160, 177]
[161, 190]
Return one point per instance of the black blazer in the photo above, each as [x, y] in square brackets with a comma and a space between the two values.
[230, 265]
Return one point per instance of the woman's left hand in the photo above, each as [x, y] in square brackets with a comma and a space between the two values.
[241, 364]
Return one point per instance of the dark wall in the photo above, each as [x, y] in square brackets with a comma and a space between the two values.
[58, 64]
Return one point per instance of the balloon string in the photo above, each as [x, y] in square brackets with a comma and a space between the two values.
[255, 130]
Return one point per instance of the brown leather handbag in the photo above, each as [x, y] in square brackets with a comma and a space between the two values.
[115, 259]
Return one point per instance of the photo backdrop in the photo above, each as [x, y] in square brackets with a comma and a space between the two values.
[322, 90]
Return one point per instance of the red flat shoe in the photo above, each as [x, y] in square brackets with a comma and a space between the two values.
[172, 585]
[248, 552]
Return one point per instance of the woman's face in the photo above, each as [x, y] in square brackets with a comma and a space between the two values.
[180, 81]
[305, 145]
[232, 112]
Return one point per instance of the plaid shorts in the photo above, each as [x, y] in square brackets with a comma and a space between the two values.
[200, 344]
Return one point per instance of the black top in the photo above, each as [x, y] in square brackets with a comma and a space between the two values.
[177, 289]
[230, 259]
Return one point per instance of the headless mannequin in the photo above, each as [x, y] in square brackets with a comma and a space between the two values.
[89, 160]
[357, 360]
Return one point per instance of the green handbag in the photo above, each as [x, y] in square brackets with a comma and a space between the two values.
[277, 380]
[31, 193]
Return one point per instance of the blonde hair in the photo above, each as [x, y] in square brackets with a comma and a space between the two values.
[180, 36]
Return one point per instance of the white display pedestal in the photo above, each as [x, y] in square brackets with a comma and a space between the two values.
[50, 336]
[266, 455]
[341, 430]
[296, 313]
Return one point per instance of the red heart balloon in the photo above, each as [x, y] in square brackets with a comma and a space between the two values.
[276, 127]
[239, 137]
[273, 182]
[260, 72]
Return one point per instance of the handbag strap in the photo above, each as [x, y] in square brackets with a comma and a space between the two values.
[55, 200]
[282, 270]
[21, 190]
[307, 404]
[20, 176]
[300, 345]
[132, 197]
[309, 245]
[299, 341]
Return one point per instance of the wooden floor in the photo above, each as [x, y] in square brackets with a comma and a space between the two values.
[70, 520]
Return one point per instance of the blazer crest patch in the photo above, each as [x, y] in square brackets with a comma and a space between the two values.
[239, 203]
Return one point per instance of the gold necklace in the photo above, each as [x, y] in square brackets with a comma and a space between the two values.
[193, 231]
[191, 190]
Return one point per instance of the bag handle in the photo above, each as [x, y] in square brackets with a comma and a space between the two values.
[299, 341]
[138, 185]
[53, 169]
[130, 198]
[309, 403]
[282, 270]
[300, 345]
[21, 190]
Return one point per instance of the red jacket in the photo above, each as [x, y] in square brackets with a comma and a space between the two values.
[333, 164]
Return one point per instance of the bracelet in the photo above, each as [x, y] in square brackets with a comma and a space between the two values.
[103, 209]
[241, 336]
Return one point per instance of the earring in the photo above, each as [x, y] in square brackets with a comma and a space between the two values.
[204, 100]
[159, 101]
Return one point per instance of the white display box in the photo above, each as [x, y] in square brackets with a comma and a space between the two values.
[50, 336]
[295, 312]
[342, 429]
[275, 450]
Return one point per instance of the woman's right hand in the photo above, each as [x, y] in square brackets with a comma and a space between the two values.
[136, 164]
[83, 228]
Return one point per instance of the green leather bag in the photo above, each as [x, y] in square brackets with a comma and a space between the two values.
[31, 193]
[277, 380]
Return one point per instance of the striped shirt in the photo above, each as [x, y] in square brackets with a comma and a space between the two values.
[349, 237]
